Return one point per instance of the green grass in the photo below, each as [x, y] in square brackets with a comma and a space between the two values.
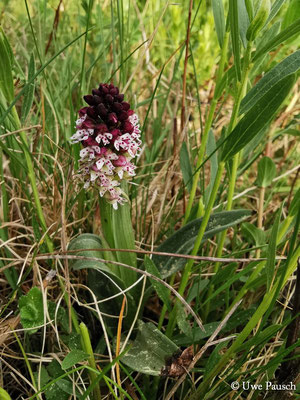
[236, 300]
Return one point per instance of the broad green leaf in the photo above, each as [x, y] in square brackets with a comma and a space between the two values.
[286, 67]
[198, 334]
[29, 93]
[161, 290]
[89, 243]
[266, 172]
[6, 78]
[218, 12]
[4, 395]
[243, 21]
[103, 278]
[185, 166]
[235, 36]
[31, 309]
[271, 252]
[149, 351]
[74, 357]
[257, 117]
[182, 241]
[253, 234]
[287, 33]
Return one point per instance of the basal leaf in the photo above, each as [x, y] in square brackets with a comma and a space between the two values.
[161, 290]
[149, 351]
[74, 357]
[182, 241]
[31, 309]
[289, 65]
[87, 242]
[257, 117]
[124, 239]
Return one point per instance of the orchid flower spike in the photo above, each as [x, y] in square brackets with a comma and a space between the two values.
[109, 132]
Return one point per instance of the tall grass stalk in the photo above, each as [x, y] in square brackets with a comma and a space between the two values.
[241, 89]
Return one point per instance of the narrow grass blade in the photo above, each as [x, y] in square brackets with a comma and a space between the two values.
[271, 253]
[235, 36]
[218, 11]
[29, 93]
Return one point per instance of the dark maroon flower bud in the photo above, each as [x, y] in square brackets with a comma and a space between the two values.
[114, 91]
[91, 112]
[88, 124]
[123, 116]
[119, 97]
[117, 107]
[82, 111]
[96, 92]
[112, 118]
[98, 99]
[111, 86]
[109, 98]
[104, 89]
[130, 112]
[127, 127]
[125, 106]
[89, 99]
[102, 111]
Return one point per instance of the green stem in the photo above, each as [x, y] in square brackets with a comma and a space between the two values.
[188, 268]
[235, 160]
[207, 128]
[87, 347]
[26, 362]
